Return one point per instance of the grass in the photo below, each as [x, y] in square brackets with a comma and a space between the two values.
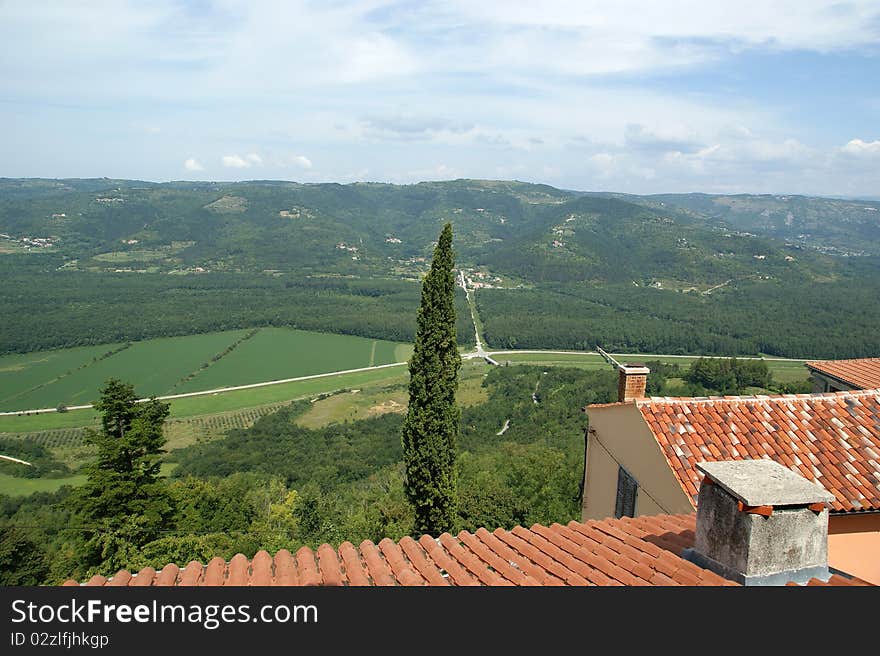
[279, 353]
[181, 364]
[783, 371]
[184, 432]
[211, 404]
[579, 360]
[377, 398]
[124, 257]
[470, 383]
[788, 372]
[153, 366]
[22, 372]
[353, 405]
[19, 487]
[48, 421]
[249, 398]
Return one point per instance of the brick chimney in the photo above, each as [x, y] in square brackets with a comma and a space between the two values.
[759, 523]
[631, 382]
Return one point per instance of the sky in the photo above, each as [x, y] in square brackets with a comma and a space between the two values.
[637, 96]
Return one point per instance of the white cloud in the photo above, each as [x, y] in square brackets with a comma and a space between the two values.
[817, 25]
[861, 148]
[235, 161]
[497, 85]
[239, 162]
[85, 50]
[605, 164]
[750, 154]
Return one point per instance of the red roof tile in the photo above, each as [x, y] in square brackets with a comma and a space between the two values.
[831, 439]
[835, 580]
[641, 551]
[863, 373]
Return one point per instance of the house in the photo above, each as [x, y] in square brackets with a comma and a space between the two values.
[839, 375]
[742, 504]
[641, 455]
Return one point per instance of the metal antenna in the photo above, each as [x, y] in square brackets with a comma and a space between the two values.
[614, 363]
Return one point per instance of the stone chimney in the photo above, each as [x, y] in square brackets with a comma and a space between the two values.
[759, 523]
[631, 382]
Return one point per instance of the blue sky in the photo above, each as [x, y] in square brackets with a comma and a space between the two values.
[626, 95]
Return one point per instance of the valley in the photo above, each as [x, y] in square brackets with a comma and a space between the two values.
[234, 301]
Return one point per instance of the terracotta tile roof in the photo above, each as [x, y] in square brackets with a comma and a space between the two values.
[640, 551]
[863, 373]
[836, 580]
[831, 439]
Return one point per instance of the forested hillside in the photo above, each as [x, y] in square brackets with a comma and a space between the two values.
[98, 261]
[827, 224]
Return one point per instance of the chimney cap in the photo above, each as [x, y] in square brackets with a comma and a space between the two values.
[634, 368]
[764, 483]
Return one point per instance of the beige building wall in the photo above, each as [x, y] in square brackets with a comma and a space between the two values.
[854, 545]
[619, 433]
[822, 383]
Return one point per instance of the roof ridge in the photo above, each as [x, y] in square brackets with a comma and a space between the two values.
[872, 359]
[750, 398]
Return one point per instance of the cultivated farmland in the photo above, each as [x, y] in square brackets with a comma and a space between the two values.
[153, 366]
[183, 364]
[278, 353]
[20, 373]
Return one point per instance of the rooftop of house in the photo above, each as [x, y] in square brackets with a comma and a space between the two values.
[831, 439]
[863, 373]
[627, 551]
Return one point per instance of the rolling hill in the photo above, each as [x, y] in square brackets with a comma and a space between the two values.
[92, 261]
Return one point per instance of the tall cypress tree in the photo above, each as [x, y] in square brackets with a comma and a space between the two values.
[430, 430]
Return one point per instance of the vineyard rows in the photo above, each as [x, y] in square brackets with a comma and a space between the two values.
[58, 437]
[229, 420]
[214, 424]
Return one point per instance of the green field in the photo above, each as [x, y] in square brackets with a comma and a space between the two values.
[19, 487]
[218, 402]
[382, 397]
[153, 366]
[249, 398]
[181, 364]
[20, 373]
[579, 360]
[279, 353]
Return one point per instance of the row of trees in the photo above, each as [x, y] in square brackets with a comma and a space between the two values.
[729, 375]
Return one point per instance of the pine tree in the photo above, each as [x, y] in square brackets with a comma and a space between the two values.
[123, 504]
[430, 430]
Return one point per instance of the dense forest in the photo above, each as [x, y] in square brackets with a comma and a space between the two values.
[90, 261]
[47, 310]
[836, 319]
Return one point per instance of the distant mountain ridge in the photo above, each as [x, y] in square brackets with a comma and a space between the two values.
[517, 229]
[848, 227]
